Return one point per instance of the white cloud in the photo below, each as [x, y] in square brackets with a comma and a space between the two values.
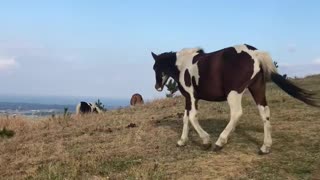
[8, 64]
[286, 64]
[291, 48]
[20, 44]
[316, 61]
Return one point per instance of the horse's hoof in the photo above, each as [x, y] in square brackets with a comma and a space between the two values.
[217, 148]
[182, 145]
[206, 146]
[263, 153]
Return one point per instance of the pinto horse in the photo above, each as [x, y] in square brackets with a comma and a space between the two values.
[84, 108]
[224, 75]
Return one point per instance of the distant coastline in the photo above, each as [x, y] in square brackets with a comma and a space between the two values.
[48, 105]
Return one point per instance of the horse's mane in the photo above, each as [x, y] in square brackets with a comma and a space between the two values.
[200, 51]
[183, 51]
[167, 55]
[186, 51]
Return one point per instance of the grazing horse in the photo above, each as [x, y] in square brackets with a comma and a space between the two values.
[84, 108]
[224, 75]
[136, 99]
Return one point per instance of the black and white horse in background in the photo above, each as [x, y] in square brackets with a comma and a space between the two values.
[224, 75]
[84, 108]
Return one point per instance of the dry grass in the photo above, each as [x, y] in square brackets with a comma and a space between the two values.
[102, 146]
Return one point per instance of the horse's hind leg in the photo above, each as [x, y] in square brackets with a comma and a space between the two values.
[234, 101]
[258, 91]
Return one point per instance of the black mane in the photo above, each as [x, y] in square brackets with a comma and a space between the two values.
[166, 55]
[200, 51]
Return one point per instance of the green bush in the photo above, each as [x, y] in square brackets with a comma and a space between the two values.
[6, 133]
[100, 105]
[172, 87]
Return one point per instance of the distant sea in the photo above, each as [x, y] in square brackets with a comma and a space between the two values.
[48, 105]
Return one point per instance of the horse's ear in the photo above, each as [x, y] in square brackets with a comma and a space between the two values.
[154, 56]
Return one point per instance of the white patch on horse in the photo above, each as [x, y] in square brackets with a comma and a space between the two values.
[234, 101]
[164, 78]
[265, 115]
[184, 62]
[78, 109]
[253, 54]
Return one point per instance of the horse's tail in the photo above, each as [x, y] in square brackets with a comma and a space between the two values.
[266, 63]
[289, 87]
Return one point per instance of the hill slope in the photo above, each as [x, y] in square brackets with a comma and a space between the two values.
[140, 143]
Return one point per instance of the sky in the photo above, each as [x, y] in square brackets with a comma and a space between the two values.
[102, 48]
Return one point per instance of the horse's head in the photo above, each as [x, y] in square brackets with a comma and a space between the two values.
[163, 67]
[95, 108]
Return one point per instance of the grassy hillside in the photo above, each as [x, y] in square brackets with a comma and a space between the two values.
[140, 143]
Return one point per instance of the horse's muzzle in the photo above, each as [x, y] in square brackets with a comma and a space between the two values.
[158, 87]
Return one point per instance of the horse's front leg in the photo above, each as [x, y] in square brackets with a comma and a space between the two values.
[195, 123]
[185, 131]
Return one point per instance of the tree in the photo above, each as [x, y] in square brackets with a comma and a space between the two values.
[172, 87]
[66, 112]
[100, 105]
[276, 64]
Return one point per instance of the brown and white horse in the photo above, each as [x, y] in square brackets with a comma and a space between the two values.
[224, 75]
[136, 99]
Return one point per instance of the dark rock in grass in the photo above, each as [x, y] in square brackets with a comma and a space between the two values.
[132, 125]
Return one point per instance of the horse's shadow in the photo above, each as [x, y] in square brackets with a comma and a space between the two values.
[212, 126]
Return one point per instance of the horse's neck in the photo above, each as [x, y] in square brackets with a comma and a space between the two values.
[185, 62]
[185, 58]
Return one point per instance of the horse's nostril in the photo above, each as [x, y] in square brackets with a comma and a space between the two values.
[158, 87]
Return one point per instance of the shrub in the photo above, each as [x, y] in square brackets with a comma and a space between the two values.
[172, 87]
[6, 133]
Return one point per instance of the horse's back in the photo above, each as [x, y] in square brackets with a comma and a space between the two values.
[224, 70]
[237, 70]
[211, 77]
